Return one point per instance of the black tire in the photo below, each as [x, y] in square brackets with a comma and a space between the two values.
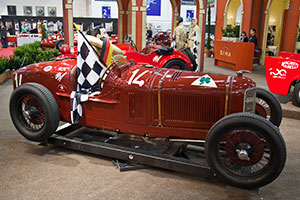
[34, 111]
[296, 95]
[59, 44]
[259, 138]
[171, 64]
[191, 57]
[270, 104]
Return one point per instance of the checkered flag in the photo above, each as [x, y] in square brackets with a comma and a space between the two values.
[173, 40]
[89, 71]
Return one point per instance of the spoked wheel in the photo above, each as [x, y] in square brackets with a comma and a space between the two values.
[245, 150]
[268, 106]
[34, 111]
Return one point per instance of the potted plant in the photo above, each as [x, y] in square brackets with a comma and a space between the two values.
[231, 33]
[44, 31]
[208, 50]
[298, 39]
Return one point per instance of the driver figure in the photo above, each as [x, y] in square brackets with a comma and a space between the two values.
[96, 39]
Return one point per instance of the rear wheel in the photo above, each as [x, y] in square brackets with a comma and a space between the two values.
[268, 106]
[189, 54]
[34, 111]
[59, 44]
[176, 64]
[296, 95]
[245, 150]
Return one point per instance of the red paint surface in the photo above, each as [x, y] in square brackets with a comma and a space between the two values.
[148, 55]
[188, 111]
[282, 71]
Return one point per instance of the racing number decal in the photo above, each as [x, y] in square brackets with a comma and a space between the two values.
[136, 80]
[18, 81]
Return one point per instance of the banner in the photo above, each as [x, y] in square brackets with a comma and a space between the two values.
[106, 12]
[153, 7]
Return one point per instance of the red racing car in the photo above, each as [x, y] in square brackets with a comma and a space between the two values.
[243, 149]
[54, 41]
[283, 73]
[57, 41]
[160, 56]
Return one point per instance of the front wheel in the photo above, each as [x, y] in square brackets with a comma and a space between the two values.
[296, 95]
[268, 106]
[34, 111]
[176, 64]
[245, 150]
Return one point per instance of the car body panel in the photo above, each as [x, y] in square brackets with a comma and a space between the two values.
[282, 71]
[148, 55]
[129, 102]
[50, 41]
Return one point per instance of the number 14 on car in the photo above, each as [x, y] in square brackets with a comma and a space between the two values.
[135, 79]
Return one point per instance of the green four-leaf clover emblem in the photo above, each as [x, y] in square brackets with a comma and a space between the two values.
[204, 80]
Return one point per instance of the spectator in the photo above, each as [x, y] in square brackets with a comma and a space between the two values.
[193, 36]
[179, 39]
[244, 37]
[3, 35]
[252, 37]
[10, 30]
[149, 33]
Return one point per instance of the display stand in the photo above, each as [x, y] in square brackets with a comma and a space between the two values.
[134, 152]
[234, 55]
[134, 149]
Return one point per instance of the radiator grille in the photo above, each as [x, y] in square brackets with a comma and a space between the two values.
[195, 109]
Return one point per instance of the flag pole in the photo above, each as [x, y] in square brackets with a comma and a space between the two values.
[77, 28]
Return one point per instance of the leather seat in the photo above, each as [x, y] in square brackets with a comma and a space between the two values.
[149, 49]
[164, 50]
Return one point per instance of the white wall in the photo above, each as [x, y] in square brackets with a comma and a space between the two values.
[239, 15]
[93, 8]
[79, 6]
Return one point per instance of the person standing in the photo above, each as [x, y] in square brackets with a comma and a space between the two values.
[3, 35]
[252, 37]
[244, 37]
[179, 39]
[149, 33]
[193, 37]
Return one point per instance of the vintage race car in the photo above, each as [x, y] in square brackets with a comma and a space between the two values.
[283, 73]
[54, 41]
[57, 41]
[160, 56]
[244, 149]
[161, 38]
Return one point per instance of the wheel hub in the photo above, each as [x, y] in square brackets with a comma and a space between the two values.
[32, 111]
[244, 147]
[242, 154]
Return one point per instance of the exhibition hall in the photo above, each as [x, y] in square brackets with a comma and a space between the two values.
[149, 99]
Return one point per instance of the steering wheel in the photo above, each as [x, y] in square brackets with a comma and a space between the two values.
[104, 76]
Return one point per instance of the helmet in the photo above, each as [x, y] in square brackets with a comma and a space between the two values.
[65, 49]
